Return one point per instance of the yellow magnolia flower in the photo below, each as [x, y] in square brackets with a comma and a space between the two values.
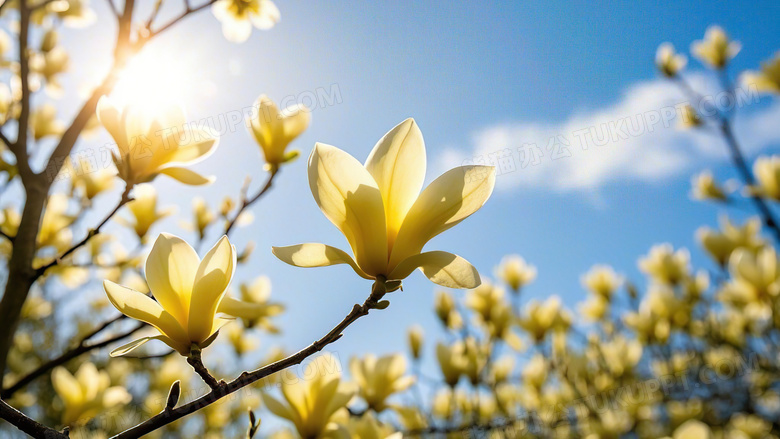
[535, 372]
[312, 404]
[188, 293]
[238, 17]
[705, 188]
[383, 215]
[767, 172]
[541, 318]
[621, 354]
[87, 393]
[43, 122]
[416, 337]
[716, 49]
[379, 378]
[758, 272]
[50, 65]
[274, 129]
[484, 299]
[55, 223]
[689, 118]
[444, 305]
[594, 308]
[601, 280]
[368, 426]
[255, 307]
[668, 62]
[515, 272]
[720, 244]
[768, 79]
[203, 217]
[239, 339]
[150, 145]
[73, 13]
[664, 265]
[692, 429]
[452, 361]
[94, 183]
[144, 210]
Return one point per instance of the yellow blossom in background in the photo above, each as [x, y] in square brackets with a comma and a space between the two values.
[452, 361]
[274, 129]
[664, 265]
[254, 307]
[73, 13]
[720, 244]
[368, 426]
[668, 62]
[601, 280]
[144, 210]
[705, 188]
[535, 372]
[54, 230]
[541, 318]
[188, 292]
[594, 308]
[239, 340]
[692, 429]
[379, 378]
[386, 219]
[50, 65]
[203, 217]
[43, 122]
[515, 272]
[755, 274]
[416, 338]
[716, 50]
[444, 305]
[91, 184]
[87, 393]
[484, 299]
[621, 354]
[311, 404]
[768, 78]
[689, 118]
[767, 172]
[152, 144]
[238, 17]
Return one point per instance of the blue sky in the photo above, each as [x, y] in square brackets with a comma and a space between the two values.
[463, 70]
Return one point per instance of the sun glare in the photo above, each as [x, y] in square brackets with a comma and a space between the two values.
[152, 80]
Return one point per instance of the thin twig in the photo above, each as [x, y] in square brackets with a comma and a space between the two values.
[223, 389]
[245, 203]
[189, 10]
[82, 348]
[91, 233]
[28, 425]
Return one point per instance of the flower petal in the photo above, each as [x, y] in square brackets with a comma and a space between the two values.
[397, 163]
[141, 307]
[211, 281]
[448, 200]
[171, 269]
[186, 176]
[129, 347]
[350, 199]
[316, 255]
[442, 268]
[65, 385]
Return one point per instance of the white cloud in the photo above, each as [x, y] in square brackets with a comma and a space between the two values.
[634, 139]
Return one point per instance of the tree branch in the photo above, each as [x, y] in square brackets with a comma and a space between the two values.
[28, 425]
[82, 348]
[187, 11]
[90, 234]
[245, 203]
[223, 389]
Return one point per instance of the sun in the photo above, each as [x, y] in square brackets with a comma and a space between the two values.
[152, 80]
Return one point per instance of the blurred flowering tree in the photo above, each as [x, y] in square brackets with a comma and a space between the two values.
[686, 353]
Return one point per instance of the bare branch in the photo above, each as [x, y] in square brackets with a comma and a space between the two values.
[26, 424]
[245, 203]
[187, 11]
[223, 389]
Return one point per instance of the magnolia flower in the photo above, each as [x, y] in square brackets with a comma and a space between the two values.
[93, 183]
[669, 62]
[704, 187]
[665, 265]
[43, 122]
[720, 244]
[416, 338]
[689, 118]
[757, 271]
[452, 361]
[238, 17]
[515, 272]
[767, 172]
[692, 429]
[144, 210]
[55, 225]
[621, 354]
[368, 426]
[379, 378]
[87, 393]
[484, 299]
[444, 305]
[152, 145]
[383, 215]
[716, 49]
[311, 404]
[188, 292]
[601, 280]
[74, 13]
[274, 129]
[535, 372]
[768, 79]
[594, 308]
[541, 318]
